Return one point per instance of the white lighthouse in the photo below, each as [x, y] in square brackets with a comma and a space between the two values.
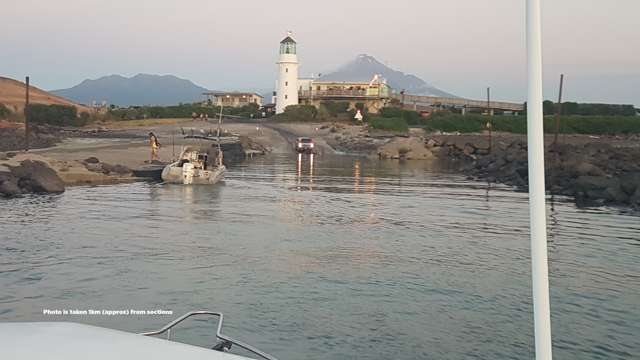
[287, 88]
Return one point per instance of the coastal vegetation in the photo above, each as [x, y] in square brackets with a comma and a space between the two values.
[335, 108]
[298, 113]
[396, 124]
[327, 111]
[409, 116]
[587, 109]
[180, 111]
[569, 124]
[57, 115]
[4, 112]
[577, 118]
[397, 119]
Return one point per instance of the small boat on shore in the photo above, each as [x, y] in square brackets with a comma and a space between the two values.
[196, 165]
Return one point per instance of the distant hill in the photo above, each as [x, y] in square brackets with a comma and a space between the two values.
[142, 89]
[364, 67]
[12, 95]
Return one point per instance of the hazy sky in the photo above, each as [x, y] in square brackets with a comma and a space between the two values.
[460, 46]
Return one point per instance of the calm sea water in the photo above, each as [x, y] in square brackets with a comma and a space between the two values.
[342, 258]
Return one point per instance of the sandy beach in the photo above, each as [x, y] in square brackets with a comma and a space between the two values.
[133, 150]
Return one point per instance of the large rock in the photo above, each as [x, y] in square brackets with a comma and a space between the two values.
[586, 168]
[95, 167]
[630, 182]
[601, 188]
[469, 149]
[91, 160]
[121, 170]
[37, 177]
[635, 198]
[586, 182]
[614, 193]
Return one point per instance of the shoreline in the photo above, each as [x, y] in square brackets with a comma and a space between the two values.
[593, 170]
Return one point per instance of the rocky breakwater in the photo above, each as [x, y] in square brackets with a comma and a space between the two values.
[353, 140]
[592, 173]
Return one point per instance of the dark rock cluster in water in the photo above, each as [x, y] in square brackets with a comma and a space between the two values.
[30, 177]
[594, 173]
[93, 164]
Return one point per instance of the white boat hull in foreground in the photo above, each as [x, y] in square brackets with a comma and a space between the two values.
[73, 341]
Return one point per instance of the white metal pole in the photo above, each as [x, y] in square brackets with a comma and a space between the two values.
[538, 225]
[219, 126]
[220, 120]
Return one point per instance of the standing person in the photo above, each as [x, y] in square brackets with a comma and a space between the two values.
[155, 146]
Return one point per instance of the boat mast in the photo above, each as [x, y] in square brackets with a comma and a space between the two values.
[537, 216]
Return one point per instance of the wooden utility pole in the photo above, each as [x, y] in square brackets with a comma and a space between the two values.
[173, 145]
[489, 125]
[558, 111]
[26, 116]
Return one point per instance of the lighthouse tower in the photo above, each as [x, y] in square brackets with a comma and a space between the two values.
[287, 89]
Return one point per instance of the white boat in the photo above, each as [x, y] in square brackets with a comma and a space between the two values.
[199, 166]
[74, 341]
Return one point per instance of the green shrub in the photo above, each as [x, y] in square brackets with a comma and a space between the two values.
[84, 119]
[181, 111]
[592, 125]
[335, 108]
[247, 111]
[391, 112]
[389, 124]
[410, 116]
[448, 122]
[58, 115]
[512, 124]
[4, 112]
[588, 109]
[298, 113]
[595, 125]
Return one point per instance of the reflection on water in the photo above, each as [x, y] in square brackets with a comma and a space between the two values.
[328, 257]
[305, 171]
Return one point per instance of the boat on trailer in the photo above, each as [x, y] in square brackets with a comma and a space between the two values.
[196, 165]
